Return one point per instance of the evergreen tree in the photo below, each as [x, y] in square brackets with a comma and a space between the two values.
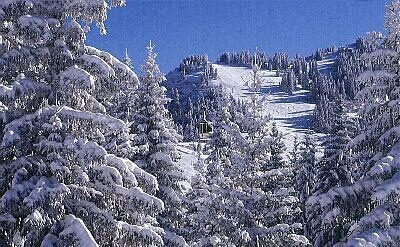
[294, 155]
[305, 175]
[366, 212]
[333, 170]
[155, 132]
[65, 179]
[127, 60]
[277, 147]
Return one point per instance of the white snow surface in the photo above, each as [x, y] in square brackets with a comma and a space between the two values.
[188, 158]
[75, 226]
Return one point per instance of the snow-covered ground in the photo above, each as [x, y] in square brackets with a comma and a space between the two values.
[188, 157]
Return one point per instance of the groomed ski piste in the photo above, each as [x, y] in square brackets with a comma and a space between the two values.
[292, 113]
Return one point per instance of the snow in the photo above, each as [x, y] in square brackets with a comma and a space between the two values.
[45, 188]
[161, 157]
[292, 113]
[28, 21]
[93, 61]
[141, 231]
[109, 175]
[375, 237]
[188, 158]
[174, 239]
[91, 151]
[77, 77]
[383, 191]
[7, 218]
[387, 164]
[137, 193]
[284, 228]
[300, 240]
[114, 62]
[76, 228]
[35, 218]
[22, 85]
[326, 199]
[374, 76]
[331, 216]
[378, 216]
[378, 54]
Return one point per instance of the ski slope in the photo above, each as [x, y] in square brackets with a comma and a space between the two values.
[292, 113]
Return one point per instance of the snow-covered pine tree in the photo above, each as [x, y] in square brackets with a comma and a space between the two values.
[277, 148]
[223, 209]
[378, 143]
[127, 60]
[294, 154]
[305, 175]
[265, 182]
[288, 83]
[211, 219]
[333, 170]
[157, 141]
[281, 206]
[61, 180]
[334, 167]
[372, 201]
[58, 169]
[249, 179]
[190, 130]
[197, 216]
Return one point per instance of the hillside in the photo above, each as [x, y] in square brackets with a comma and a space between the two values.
[292, 113]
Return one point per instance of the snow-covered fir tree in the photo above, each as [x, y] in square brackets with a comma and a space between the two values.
[220, 205]
[157, 140]
[366, 211]
[65, 179]
[304, 168]
[333, 170]
[378, 143]
[334, 167]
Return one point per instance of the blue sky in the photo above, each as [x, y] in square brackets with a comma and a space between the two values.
[184, 27]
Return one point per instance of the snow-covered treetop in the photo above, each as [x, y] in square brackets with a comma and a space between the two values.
[392, 24]
[88, 11]
[150, 66]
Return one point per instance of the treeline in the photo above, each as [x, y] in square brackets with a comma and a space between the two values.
[278, 62]
[343, 81]
[198, 63]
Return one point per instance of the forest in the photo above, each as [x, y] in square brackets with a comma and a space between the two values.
[91, 150]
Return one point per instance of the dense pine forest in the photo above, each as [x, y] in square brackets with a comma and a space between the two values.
[96, 153]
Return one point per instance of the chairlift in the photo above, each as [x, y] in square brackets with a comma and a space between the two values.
[204, 128]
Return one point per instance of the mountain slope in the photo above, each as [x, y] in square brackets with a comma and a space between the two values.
[292, 113]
